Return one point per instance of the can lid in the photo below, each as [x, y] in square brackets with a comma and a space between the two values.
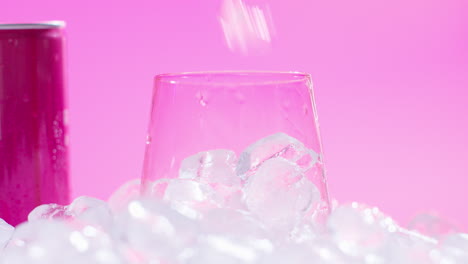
[40, 25]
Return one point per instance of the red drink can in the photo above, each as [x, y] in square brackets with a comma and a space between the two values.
[33, 131]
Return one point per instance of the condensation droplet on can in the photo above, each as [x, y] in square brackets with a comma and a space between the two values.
[148, 139]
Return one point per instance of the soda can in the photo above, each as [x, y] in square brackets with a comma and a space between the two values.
[33, 123]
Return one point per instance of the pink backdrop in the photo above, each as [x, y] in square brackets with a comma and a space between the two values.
[390, 79]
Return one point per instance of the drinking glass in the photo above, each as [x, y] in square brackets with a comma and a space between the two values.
[195, 112]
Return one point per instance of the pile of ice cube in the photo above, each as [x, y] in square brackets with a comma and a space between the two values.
[262, 207]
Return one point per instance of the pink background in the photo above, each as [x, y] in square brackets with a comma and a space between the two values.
[390, 79]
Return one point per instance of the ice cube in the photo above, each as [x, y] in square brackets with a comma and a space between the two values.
[431, 225]
[358, 229]
[215, 169]
[279, 194]
[181, 190]
[154, 230]
[185, 196]
[6, 231]
[157, 189]
[453, 249]
[212, 249]
[227, 196]
[212, 167]
[54, 242]
[276, 145]
[92, 211]
[50, 211]
[303, 233]
[127, 192]
[233, 222]
[325, 251]
[406, 246]
[228, 236]
[457, 242]
[292, 253]
[188, 197]
[84, 209]
[40, 241]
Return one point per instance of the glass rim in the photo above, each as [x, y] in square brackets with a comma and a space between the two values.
[28, 26]
[182, 77]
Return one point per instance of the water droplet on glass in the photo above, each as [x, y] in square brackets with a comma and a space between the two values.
[305, 109]
[202, 102]
[201, 99]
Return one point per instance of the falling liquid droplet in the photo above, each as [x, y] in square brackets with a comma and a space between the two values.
[148, 139]
[247, 28]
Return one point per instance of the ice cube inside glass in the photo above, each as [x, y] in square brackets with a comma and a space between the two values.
[230, 130]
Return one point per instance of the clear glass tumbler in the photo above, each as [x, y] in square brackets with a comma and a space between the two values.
[196, 112]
